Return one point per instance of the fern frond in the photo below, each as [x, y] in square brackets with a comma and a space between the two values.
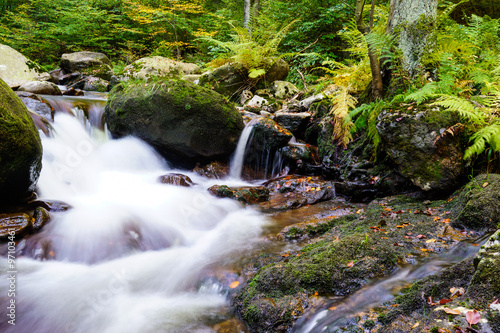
[465, 109]
[343, 102]
[487, 135]
[428, 91]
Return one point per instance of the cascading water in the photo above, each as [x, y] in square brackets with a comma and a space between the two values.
[263, 162]
[131, 254]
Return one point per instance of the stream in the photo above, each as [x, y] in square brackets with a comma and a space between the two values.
[135, 255]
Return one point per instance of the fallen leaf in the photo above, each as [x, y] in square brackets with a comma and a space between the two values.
[285, 255]
[444, 301]
[332, 308]
[316, 293]
[430, 241]
[446, 221]
[387, 209]
[456, 292]
[394, 305]
[451, 311]
[485, 184]
[473, 317]
[495, 301]
[384, 237]
[420, 236]
[436, 218]
[234, 284]
[350, 264]
[416, 325]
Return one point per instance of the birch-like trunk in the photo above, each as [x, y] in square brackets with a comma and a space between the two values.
[412, 21]
[246, 15]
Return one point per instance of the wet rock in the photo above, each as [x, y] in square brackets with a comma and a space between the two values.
[183, 121]
[277, 72]
[283, 89]
[20, 148]
[95, 84]
[269, 135]
[247, 194]
[214, 170]
[87, 63]
[476, 206]
[40, 218]
[15, 69]
[157, 66]
[41, 88]
[36, 104]
[256, 102]
[230, 326]
[412, 139]
[176, 179]
[41, 123]
[19, 224]
[51, 205]
[297, 191]
[294, 122]
[73, 92]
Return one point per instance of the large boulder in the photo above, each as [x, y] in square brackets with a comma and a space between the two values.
[419, 144]
[145, 68]
[20, 148]
[87, 63]
[183, 121]
[476, 206]
[15, 69]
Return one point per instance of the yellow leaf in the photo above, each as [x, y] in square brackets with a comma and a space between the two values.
[416, 325]
[451, 311]
[430, 241]
[234, 284]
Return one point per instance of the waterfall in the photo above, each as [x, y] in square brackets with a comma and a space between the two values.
[239, 154]
[132, 254]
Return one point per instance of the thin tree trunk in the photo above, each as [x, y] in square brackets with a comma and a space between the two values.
[246, 15]
[377, 83]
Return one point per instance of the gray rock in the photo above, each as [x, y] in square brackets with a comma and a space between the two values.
[87, 63]
[145, 68]
[294, 122]
[41, 88]
[283, 89]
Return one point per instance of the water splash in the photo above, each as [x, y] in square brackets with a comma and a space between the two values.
[130, 253]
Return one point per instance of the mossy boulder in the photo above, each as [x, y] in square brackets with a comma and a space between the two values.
[245, 194]
[267, 134]
[87, 63]
[477, 204]
[15, 69]
[20, 148]
[183, 121]
[225, 80]
[155, 66]
[413, 140]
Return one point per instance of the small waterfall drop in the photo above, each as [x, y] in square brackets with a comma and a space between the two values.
[239, 154]
[131, 254]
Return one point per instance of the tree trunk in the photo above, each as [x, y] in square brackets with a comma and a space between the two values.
[256, 7]
[377, 83]
[246, 15]
[412, 21]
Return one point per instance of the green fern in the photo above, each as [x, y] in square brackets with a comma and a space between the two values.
[487, 135]
[343, 102]
[465, 109]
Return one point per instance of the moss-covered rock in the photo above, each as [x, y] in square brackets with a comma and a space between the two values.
[15, 68]
[88, 63]
[245, 194]
[183, 121]
[412, 139]
[477, 204]
[157, 66]
[20, 148]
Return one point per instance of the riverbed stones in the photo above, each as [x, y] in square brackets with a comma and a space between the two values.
[20, 148]
[15, 69]
[87, 63]
[183, 121]
[14, 225]
[417, 142]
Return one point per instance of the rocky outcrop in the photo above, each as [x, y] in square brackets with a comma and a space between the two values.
[183, 121]
[476, 206]
[41, 88]
[176, 179]
[417, 142]
[157, 66]
[20, 148]
[87, 63]
[283, 89]
[15, 69]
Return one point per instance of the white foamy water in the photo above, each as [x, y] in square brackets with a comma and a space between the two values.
[130, 254]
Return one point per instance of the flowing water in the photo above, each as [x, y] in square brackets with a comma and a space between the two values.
[132, 254]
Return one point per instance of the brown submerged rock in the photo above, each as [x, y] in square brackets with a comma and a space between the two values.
[214, 170]
[177, 179]
[247, 194]
[19, 223]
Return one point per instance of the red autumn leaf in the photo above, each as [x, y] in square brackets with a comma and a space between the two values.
[473, 317]
[444, 301]
[399, 212]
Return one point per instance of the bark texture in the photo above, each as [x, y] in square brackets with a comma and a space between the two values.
[412, 21]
